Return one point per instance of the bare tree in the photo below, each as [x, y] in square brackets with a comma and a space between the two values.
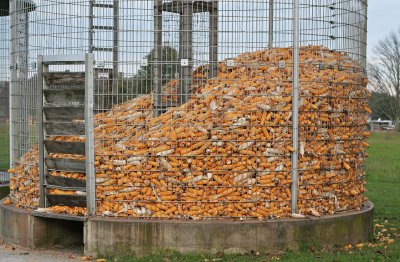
[384, 77]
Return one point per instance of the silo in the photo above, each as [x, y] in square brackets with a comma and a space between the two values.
[193, 110]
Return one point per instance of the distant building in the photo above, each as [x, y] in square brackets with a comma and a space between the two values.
[381, 124]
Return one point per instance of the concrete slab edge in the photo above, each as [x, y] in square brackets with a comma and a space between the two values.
[111, 236]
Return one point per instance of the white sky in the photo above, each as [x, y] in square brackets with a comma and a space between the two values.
[383, 17]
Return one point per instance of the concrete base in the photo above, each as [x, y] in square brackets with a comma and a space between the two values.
[105, 236]
[19, 227]
[141, 237]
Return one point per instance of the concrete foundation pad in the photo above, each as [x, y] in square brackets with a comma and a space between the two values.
[114, 236]
[105, 236]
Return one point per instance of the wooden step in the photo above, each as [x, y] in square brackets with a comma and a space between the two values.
[64, 78]
[66, 200]
[65, 181]
[64, 113]
[65, 97]
[64, 164]
[58, 216]
[65, 128]
[63, 147]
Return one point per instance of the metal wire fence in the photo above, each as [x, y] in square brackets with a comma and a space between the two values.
[196, 115]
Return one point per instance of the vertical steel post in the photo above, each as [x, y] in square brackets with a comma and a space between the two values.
[364, 29]
[115, 49]
[91, 16]
[89, 136]
[186, 49]
[41, 135]
[271, 24]
[213, 37]
[13, 47]
[295, 104]
[156, 59]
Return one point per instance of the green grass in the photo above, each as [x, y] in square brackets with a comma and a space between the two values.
[4, 147]
[383, 184]
[5, 144]
[383, 176]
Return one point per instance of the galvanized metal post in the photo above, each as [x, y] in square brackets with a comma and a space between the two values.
[271, 24]
[41, 135]
[213, 37]
[295, 104]
[186, 49]
[115, 50]
[13, 50]
[156, 59]
[89, 136]
[364, 29]
[91, 30]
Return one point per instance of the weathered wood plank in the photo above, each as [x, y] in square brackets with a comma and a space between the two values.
[65, 181]
[64, 128]
[75, 148]
[58, 216]
[64, 78]
[63, 164]
[64, 113]
[65, 97]
[66, 200]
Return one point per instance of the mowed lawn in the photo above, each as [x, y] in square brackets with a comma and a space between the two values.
[383, 176]
[4, 146]
[383, 184]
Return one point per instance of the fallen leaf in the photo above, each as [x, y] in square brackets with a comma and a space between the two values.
[360, 245]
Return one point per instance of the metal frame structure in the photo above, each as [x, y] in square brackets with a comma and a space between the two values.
[295, 105]
[186, 10]
[54, 99]
[214, 47]
[93, 29]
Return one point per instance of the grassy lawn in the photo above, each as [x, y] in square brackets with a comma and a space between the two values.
[383, 184]
[4, 147]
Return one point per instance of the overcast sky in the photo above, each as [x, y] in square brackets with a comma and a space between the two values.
[383, 17]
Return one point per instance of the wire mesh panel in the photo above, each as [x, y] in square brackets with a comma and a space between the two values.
[332, 118]
[194, 105]
[37, 28]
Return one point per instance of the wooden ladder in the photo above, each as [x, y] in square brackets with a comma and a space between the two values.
[66, 102]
